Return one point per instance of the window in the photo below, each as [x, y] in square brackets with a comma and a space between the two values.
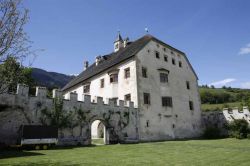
[127, 97]
[167, 102]
[172, 52]
[187, 84]
[146, 97]
[180, 64]
[165, 58]
[157, 54]
[164, 49]
[86, 88]
[147, 123]
[173, 61]
[102, 83]
[127, 72]
[144, 72]
[191, 105]
[113, 78]
[163, 77]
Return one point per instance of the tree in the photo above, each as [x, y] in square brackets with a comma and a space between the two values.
[14, 42]
[12, 73]
[239, 128]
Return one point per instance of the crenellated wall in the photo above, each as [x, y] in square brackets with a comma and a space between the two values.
[236, 113]
[21, 109]
[219, 119]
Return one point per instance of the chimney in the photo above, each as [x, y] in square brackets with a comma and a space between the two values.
[86, 65]
[98, 60]
[125, 42]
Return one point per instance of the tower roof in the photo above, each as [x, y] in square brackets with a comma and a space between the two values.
[119, 37]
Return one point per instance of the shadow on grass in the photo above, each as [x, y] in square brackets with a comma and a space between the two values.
[183, 139]
[72, 147]
[17, 153]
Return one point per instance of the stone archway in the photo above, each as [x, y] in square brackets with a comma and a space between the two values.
[99, 132]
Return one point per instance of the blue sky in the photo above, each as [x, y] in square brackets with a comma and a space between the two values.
[214, 34]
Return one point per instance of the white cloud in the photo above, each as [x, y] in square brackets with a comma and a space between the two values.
[245, 85]
[245, 50]
[222, 82]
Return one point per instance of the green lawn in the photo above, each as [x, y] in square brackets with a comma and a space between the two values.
[193, 152]
[98, 141]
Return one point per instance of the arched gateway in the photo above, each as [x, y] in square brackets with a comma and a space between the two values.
[99, 133]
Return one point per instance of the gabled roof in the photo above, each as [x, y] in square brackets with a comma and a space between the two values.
[115, 58]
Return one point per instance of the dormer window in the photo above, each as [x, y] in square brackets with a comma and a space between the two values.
[114, 78]
[86, 88]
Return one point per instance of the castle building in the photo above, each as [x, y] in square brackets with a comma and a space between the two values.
[157, 77]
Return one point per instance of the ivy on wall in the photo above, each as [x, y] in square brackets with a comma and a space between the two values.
[56, 116]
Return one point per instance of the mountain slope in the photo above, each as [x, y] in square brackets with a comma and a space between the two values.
[50, 79]
[215, 99]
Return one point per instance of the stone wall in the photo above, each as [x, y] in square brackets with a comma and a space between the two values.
[158, 122]
[21, 109]
[220, 119]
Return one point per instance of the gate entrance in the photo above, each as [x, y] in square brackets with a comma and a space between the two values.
[98, 133]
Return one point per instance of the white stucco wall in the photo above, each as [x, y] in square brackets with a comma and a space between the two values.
[161, 119]
[112, 90]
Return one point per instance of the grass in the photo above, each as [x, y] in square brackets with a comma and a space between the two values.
[97, 141]
[193, 152]
[219, 107]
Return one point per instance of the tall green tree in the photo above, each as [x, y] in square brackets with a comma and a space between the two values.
[14, 42]
[12, 73]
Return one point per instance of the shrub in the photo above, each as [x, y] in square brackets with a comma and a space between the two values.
[212, 133]
[239, 129]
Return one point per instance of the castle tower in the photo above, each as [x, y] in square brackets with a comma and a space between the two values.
[118, 43]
